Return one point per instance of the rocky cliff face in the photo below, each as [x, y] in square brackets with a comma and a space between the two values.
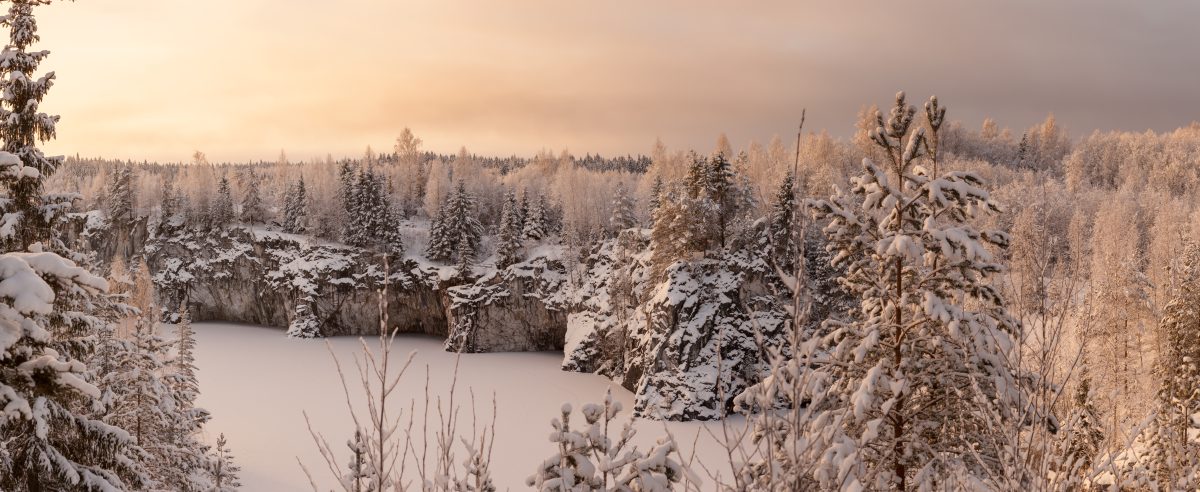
[521, 308]
[685, 344]
[323, 289]
[312, 288]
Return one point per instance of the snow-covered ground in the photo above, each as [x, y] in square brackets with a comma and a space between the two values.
[257, 382]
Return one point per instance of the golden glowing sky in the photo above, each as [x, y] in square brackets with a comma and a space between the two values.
[242, 79]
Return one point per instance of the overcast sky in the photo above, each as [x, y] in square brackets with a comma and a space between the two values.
[242, 79]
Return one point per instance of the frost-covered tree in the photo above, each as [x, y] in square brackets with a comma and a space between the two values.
[253, 211]
[624, 213]
[223, 471]
[412, 171]
[509, 250]
[535, 219]
[49, 439]
[372, 222]
[656, 193]
[27, 213]
[358, 475]
[142, 403]
[1086, 431]
[295, 212]
[723, 191]
[222, 209]
[187, 454]
[1176, 426]
[918, 390]
[122, 198]
[588, 458]
[466, 260]
[782, 227]
[171, 206]
[670, 235]
[456, 229]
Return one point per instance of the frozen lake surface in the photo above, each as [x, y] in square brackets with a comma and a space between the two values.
[256, 382]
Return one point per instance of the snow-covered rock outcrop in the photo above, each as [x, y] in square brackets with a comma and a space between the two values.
[523, 307]
[270, 278]
[685, 344]
[316, 288]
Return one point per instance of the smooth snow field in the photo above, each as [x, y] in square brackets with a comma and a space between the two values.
[256, 382]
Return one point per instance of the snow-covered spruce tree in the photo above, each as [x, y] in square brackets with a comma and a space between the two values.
[358, 477]
[624, 213]
[589, 459]
[656, 193]
[523, 210]
[670, 235]
[723, 191]
[121, 197]
[456, 229]
[295, 213]
[185, 454]
[440, 245]
[1176, 426]
[223, 471]
[142, 403]
[27, 213]
[372, 223]
[535, 219]
[783, 222]
[48, 440]
[253, 211]
[917, 390]
[170, 207]
[466, 261]
[509, 250]
[222, 208]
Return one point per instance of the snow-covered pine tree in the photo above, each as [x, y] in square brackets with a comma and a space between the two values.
[523, 210]
[1176, 426]
[723, 191]
[509, 250]
[186, 453]
[121, 197]
[916, 392]
[253, 211]
[295, 213]
[441, 245]
[669, 236]
[222, 209]
[455, 223]
[466, 260]
[141, 402]
[48, 441]
[535, 219]
[656, 194]
[223, 471]
[22, 127]
[697, 180]
[589, 459]
[374, 223]
[783, 222]
[347, 173]
[359, 476]
[169, 207]
[624, 214]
